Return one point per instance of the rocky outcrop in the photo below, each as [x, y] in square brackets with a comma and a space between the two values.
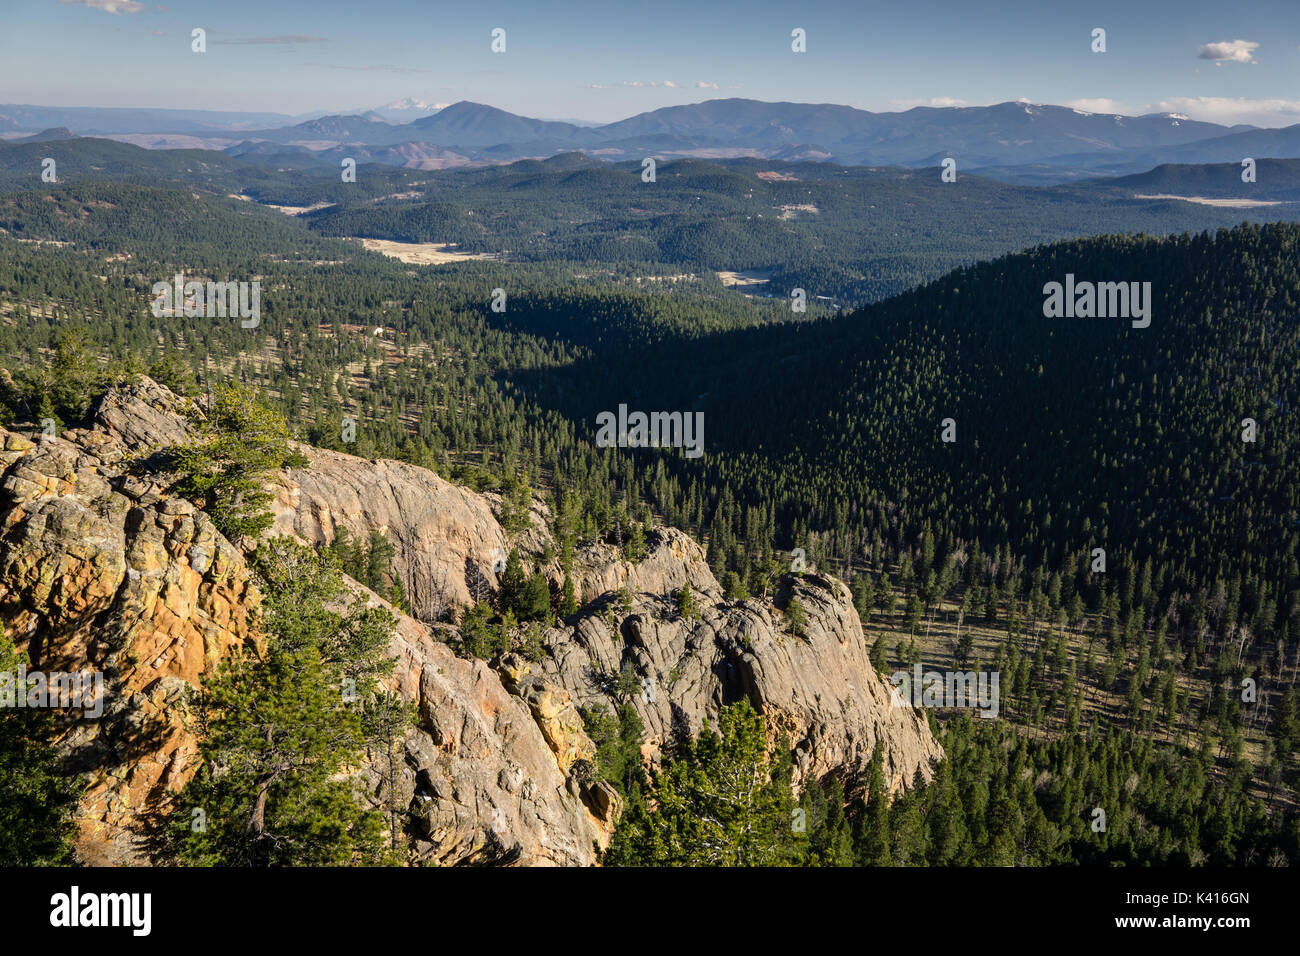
[817, 688]
[488, 775]
[100, 568]
[446, 537]
[100, 572]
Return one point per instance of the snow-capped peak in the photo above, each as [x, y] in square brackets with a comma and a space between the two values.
[408, 103]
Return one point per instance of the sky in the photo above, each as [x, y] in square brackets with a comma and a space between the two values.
[1218, 61]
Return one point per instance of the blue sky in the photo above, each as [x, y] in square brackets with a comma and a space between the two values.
[601, 61]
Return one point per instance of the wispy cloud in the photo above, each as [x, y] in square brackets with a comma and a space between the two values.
[932, 101]
[1229, 51]
[376, 68]
[665, 84]
[270, 41]
[705, 85]
[115, 7]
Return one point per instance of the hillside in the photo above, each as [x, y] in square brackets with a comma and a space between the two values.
[1143, 424]
[847, 234]
[101, 567]
[823, 434]
[1276, 180]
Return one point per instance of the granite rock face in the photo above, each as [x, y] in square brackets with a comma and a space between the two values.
[817, 688]
[101, 572]
[489, 776]
[101, 569]
[446, 537]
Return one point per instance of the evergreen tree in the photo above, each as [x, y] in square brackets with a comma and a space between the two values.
[873, 846]
[716, 803]
[277, 733]
[240, 442]
[686, 603]
[796, 617]
[38, 792]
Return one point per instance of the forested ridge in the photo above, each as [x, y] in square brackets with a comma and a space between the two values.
[822, 433]
[850, 234]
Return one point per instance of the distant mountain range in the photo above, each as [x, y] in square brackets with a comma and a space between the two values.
[403, 111]
[1013, 141]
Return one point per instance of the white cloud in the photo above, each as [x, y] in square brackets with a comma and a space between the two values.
[270, 41]
[1229, 110]
[1097, 104]
[666, 84]
[939, 101]
[377, 68]
[705, 85]
[1229, 51]
[115, 7]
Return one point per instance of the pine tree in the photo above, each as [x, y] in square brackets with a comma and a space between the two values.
[512, 593]
[1285, 727]
[635, 549]
[277, 732]
[719, 802]
[873, 844]
[38, 792]
[686, 603]
[536, 604]
[240, 441]
[733, 587]
[879, 659]
[568, 599]
[796, 617]
[379, 561]
[385, 719]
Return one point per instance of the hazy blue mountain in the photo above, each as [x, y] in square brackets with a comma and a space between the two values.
[1283, 142]
[47, 135]
[95, 119]
[473, 124]
[977, 135]
[1017, 142]
[1276, 180]
[350, 128]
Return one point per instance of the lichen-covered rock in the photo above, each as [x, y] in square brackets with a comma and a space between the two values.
[102, 570]
[100, 574]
